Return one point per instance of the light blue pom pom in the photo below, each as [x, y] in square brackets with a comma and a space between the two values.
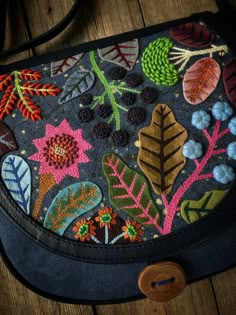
[224, 174]
[201, 119]
[192, 149]
[232, 125]
[231, 150]
[222, 111]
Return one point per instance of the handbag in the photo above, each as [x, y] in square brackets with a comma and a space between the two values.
[118, 162]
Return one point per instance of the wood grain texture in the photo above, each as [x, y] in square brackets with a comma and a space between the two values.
[96, 19]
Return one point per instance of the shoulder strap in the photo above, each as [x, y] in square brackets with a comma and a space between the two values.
[56, 30]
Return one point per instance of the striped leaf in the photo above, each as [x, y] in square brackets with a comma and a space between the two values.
[193, 34]
[193, 210]
[229, 77]
[201, 80]
[17, 178]
[78, 83]
[61, 66]
[160, 155]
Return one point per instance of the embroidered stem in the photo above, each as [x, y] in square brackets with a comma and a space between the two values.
[121, 87]
[117, 238]
[47, 181]
[108, 90]
[106, 234]
[99, 100]
[172, 206]
[95, 239]
[183, 56]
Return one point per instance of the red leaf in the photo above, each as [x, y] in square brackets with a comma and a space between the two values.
[193, 34]
[123, 54]
[61, 66]
[5, 80]
[29, 109]
[229, 77]
[201, 80]
[40, 89]
[30, 75]
[7, 140]
[7, 102]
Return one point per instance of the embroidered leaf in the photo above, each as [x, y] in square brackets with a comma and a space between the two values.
[123, 54]
[201, 80]
[229, 77]
[160, 155]
[78, 83]
[60, 66]
[29, 109]
[31, 75]
[5, 80]
[156, 64]
[193, 210]
[16, 90]
[7, 140]
[129, 191]
[70, 203]
[8, 101]
[17, 178]
[40, 89]
[192, 34]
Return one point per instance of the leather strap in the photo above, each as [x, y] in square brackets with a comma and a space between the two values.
[56, 30]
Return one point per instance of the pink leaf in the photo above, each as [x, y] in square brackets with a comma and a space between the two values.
[123, 54]
[201, 80]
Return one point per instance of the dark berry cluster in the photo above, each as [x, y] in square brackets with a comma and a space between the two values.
[86, 115]
[120, 138]
[136, 115]
[86, 99]
[116, 73]
[104, 111]
[102, 130]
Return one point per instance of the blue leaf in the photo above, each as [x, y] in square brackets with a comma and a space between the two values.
[78, 83]
[70, 203]
[17, 178]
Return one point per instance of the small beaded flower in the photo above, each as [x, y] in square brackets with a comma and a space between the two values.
[106, 217]
[201, 119]
[84, 230]
[232, 126]
[231, 150]
[133, 231]
[222, 111]
[223, 174]
[192, 149]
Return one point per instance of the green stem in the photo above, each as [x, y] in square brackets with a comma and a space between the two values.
[124, 88]
[19, 90]
[107, 88]
[99, 99]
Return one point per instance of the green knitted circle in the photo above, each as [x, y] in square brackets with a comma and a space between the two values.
[156, 65]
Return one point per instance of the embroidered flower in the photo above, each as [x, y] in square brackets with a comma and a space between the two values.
[84, 230]
[223, 174]
[201, 119]
[60, 151]
[232, 125]
[231, 150]
[106, 217]
[192, 149]
[222, 111]
[132, 231]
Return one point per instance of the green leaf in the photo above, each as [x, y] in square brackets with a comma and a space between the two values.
[193, 210]
[70, 203]
[129, 191]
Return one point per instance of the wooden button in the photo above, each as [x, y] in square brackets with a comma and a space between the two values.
[162, 281]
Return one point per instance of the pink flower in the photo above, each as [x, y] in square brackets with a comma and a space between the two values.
[60, 151]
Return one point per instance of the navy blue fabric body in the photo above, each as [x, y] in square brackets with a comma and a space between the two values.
[66, 279]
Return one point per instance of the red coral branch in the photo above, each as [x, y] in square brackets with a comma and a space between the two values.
[5, 80]
[29, 109]
[31, 75]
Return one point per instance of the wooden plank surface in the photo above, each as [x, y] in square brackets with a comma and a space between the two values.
[97, 19]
